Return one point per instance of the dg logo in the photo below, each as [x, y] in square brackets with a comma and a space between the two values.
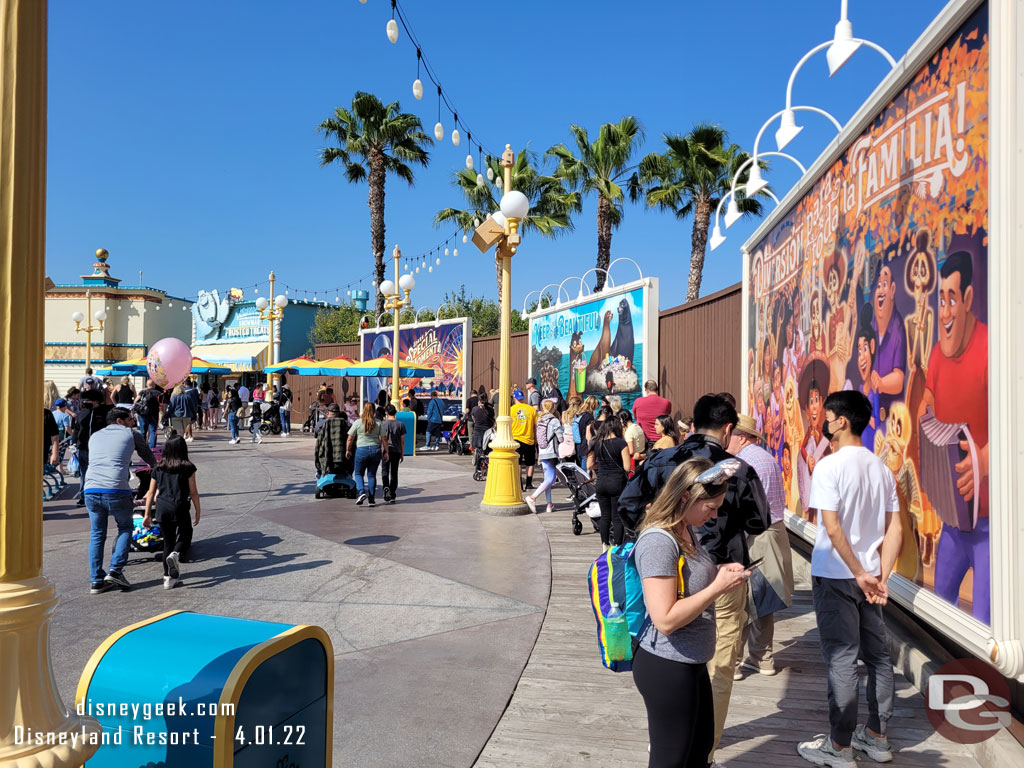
[967, 701]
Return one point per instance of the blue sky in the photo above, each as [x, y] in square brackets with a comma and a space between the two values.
[182, 135]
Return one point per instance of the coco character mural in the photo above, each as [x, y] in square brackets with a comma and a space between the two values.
[876, 281]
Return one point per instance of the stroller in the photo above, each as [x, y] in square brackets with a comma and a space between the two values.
[145, 539]
[336, 481]
[480, 458]
[458, 436]
[584, 494]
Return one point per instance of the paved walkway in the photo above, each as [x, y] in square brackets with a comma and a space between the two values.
[568, 710]
[433, 608]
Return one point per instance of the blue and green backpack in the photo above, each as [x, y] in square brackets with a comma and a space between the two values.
[617, 597]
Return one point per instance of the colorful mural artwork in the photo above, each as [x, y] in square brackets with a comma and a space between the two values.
[441, 347]
[877, 280]
[593, 348]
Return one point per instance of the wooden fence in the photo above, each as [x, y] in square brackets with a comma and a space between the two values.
[698, 352]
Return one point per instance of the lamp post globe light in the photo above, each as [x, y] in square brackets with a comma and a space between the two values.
[78, 318]
[393, 300]
[503, 494]
[272, 310]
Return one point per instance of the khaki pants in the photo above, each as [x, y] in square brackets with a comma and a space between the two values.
[761, 634]
[730, 616]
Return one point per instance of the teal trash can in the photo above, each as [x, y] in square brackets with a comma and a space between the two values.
[409, 419]
[189, 690]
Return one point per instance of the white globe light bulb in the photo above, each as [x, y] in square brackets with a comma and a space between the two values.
[469, 162]
[417, 89]
[407, 283]
[100, 315]
[77, 317]
[439, 131]
[281, 301]
[456, 137]
[515, 205]
[393, 31]
[387, 288]
[262, 303]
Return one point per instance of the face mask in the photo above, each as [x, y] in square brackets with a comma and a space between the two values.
[827, 432]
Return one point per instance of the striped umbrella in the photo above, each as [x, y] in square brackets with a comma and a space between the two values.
[303, 365]
[382, 367]
[202, 366]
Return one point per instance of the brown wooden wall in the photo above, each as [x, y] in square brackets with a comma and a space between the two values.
[698, 352]
[699, 348]
[487, 355]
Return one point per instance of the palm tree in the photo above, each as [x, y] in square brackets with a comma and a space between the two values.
[551, 205]
[601, 167]
[690, 179]
[374, 140]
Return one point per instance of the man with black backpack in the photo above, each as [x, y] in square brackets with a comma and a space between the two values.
[745, 511]
[147, 411]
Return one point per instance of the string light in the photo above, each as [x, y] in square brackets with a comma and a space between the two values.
[438, 261]
[455, 131]
[456, 251]
[392, 27]
[439, 129]
[465, 239]
[417, 84]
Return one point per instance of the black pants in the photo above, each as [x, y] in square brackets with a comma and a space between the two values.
[608, 491]
[389, 471]
[680, 710]
[176, 528]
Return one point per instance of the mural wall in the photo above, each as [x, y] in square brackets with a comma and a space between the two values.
[877, 281]
[596, 347]
[441, 347]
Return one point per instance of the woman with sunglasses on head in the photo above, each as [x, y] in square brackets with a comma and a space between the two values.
[677, 639]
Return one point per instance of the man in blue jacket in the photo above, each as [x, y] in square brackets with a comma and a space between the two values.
[435, 419]
[107, 493]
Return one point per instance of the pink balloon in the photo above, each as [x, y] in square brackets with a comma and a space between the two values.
[169, 361]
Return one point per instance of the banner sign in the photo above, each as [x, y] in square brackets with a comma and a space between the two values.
[442, 347]
[876, 280]
[598, 345]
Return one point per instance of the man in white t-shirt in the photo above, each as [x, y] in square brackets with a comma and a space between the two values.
[858, 540]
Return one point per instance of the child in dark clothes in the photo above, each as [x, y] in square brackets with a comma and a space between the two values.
[172, 487]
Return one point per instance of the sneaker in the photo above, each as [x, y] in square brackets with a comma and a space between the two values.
[387, 493]
[821, 752]
[170, 582]
[99, 587]
[189, 439]
[761, 667]
[531, 503]
[360, 499]
[392, 501]
[737, 673]
[118, 579]
[372, 502]
[876, 747]
[171, 561]
[550, 508]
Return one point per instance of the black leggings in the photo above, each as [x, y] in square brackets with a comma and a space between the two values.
[680, 710]
[608, 491]
[176, 528]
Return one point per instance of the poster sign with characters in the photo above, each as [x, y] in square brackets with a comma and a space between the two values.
[876, 280]
[598, 345]
[442, 346]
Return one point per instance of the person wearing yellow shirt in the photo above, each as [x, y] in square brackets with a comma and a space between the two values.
[524, 425]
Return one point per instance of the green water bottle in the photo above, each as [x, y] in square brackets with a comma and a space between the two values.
[617, 638]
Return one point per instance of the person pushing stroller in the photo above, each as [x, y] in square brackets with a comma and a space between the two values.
[331, 444]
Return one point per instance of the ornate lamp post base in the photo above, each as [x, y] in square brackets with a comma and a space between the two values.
[503, 495]
[26, 608]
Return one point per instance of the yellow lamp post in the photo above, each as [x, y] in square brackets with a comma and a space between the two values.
[99, 317]
[392, 292]
[272, 310]
[503, 494]
[29, 700]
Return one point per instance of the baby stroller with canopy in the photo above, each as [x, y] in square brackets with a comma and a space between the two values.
[458, 436]
[481, 457]
[584, 494]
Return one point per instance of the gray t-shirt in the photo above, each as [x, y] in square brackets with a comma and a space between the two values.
[393, 430]
[657, 554]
